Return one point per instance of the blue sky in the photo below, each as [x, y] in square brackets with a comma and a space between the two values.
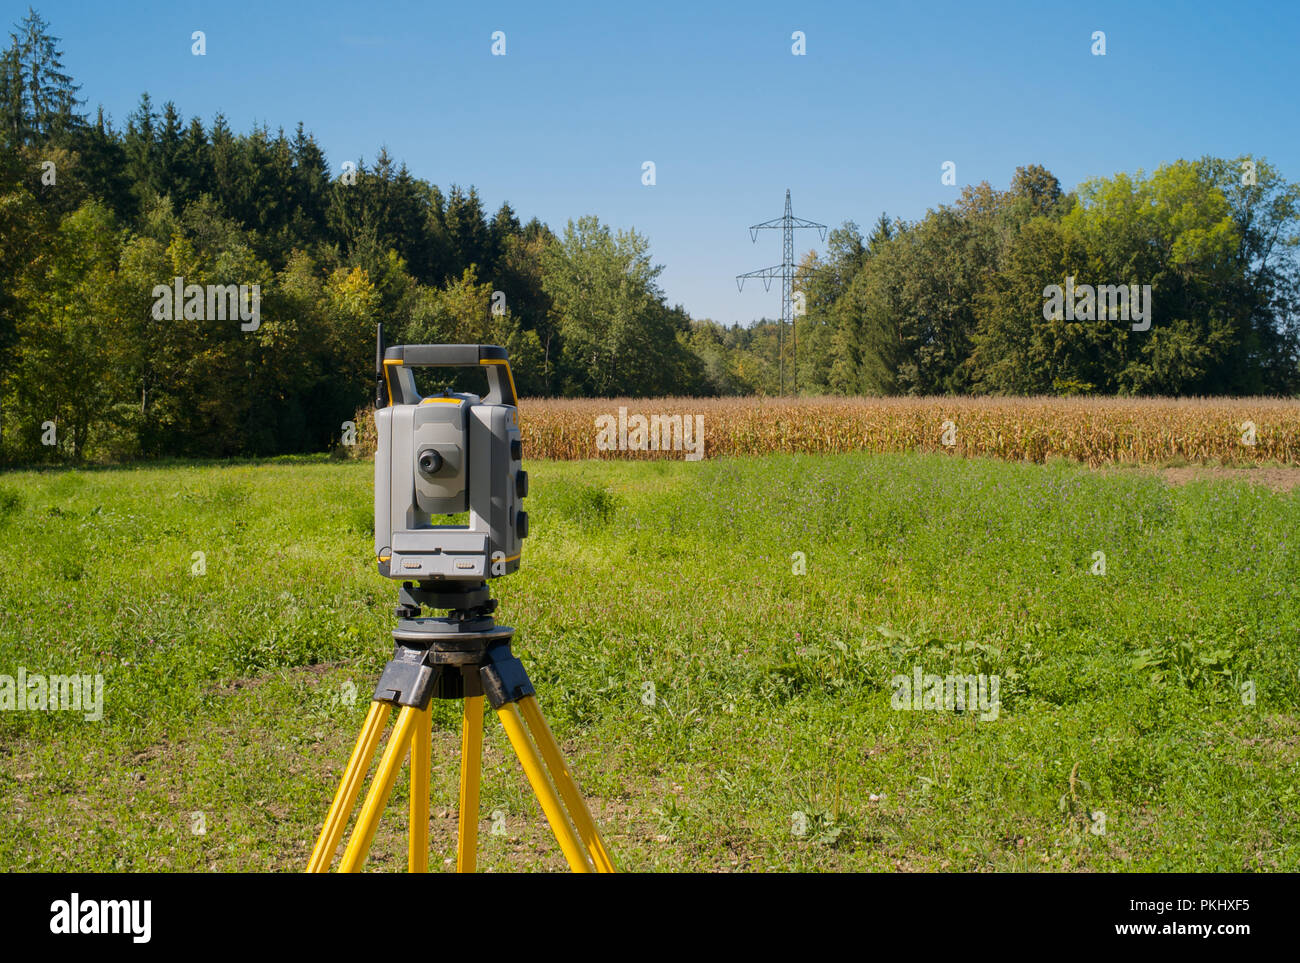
[712, 94]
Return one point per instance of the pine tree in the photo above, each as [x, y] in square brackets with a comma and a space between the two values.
[467, 231]
[141, 147]
[13, 116]
[49, 97]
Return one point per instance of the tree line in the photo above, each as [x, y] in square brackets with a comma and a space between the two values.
[96, 220]
[972, 298]
[98, 224]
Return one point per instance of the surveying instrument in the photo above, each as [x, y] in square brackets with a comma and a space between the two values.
[445, 454]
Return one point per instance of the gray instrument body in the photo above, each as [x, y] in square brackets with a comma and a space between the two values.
[446, 454]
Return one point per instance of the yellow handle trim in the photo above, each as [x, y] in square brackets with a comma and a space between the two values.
[509, 374]
[387, 381]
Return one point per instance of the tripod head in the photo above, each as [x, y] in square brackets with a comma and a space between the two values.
[441, 657]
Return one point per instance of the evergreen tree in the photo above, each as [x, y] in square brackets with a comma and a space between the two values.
[48, 95]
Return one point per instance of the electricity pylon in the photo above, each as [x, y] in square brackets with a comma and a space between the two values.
[785, 271]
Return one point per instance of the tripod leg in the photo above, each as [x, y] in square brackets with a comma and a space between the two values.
[565, 783]
[323, 853]
[471, 761]
[363, 834]
[417, 849]
[536, 773]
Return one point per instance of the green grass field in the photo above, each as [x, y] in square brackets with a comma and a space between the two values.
[1148, 717]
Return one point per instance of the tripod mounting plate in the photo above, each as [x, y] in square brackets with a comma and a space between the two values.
[452, 641]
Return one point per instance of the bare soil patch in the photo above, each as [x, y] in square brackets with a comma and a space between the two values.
[1279, 478]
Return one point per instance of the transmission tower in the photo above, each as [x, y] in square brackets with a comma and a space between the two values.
[785, 271]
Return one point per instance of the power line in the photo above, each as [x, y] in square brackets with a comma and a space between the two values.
[785, 271]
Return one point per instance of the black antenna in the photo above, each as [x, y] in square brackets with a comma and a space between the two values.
[380, 397]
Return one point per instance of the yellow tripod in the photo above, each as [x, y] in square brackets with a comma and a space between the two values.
[466, 656]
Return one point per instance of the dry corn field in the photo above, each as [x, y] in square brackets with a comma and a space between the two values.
[1095, 431]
